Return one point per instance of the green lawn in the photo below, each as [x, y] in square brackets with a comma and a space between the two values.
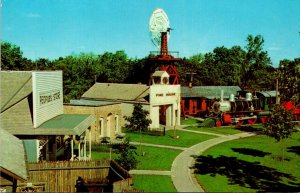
[96, 155]
[156, 158]
[251, 164]
[153, 183]
[217, 130]
[186, 139]
[188, 121]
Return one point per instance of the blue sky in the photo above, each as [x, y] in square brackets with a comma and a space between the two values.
[53, 28]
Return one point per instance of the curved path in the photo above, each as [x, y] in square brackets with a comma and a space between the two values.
[182, 176]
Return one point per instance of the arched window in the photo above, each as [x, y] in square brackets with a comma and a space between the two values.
[116, 123]
[101, 126]
[108, 122]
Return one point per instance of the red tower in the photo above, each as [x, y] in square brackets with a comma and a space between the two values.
[164, 61]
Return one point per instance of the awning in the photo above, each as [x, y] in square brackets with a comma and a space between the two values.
[65, 124]
[68, 124]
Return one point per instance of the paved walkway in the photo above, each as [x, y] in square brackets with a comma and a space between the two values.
[181, 173]
[182, 176]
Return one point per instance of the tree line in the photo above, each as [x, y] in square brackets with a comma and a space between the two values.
[249, 67]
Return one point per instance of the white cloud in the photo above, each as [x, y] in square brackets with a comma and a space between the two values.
[33, 15]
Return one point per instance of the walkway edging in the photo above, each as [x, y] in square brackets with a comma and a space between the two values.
[182, 176]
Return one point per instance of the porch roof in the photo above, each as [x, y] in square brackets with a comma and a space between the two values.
[68, 124]
[65, 124]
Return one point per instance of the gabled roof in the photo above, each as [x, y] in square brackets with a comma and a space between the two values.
[160, 74]
[17, 116]
[91, 103]
[12, 159]
[15, 86]
[209, 92]
[113, 91]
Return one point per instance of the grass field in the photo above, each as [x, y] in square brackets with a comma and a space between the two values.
[217, 130]
[188, 121]
[251, 164]
[156, 158]
[153, 159]
[151, 183]
[185, 139]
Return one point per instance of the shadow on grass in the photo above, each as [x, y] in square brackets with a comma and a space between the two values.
[246, 174]
[294, 149]
[252, 152]
[247, 128]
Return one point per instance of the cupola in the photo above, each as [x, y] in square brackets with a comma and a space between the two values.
[160, 77]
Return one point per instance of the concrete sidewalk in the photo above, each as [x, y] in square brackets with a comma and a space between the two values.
[182, 176]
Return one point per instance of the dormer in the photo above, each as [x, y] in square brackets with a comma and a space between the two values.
[160, 78]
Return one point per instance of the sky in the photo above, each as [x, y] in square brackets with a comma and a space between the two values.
[54, 28]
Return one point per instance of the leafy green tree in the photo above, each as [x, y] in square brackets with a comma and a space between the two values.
[42, 64]
[280, 125]
[127, 155]
[11, 57]
[256, 65]
[138, 121]
[288, 75]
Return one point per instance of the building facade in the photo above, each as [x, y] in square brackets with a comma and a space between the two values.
[108, 117]
[32, 110]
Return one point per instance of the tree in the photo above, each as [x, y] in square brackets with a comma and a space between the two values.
[280, 125]
[288, 75]
[126, 156]
[11, 57]
[138, 121]
[256, 63]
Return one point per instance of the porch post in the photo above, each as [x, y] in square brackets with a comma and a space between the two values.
[90, 144]
[72, 150]
[79, 152]
[84, 149]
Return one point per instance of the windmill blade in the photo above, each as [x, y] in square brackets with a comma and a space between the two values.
[158, 23]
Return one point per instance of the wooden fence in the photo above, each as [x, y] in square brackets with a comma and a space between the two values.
[61, 176]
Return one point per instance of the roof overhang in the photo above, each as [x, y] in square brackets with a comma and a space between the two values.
[65, 124]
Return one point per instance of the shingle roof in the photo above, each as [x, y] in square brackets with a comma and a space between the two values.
[15, 86]
[91, 103]
[12, 159]
[113, 91]
[209, 92]
[18, 116]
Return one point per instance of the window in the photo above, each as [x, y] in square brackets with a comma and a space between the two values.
[101, 123]
[116, 124]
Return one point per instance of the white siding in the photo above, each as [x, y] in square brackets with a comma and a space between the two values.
[47, 96]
